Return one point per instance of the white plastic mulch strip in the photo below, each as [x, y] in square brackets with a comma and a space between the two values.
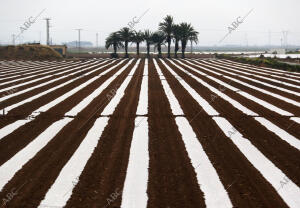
[253, 80]
[244, 94]
[233, 102]
[6, 130]
[250, 69]
[142, 108]
[296, 119]
[26, 68]
[254, 87]
[110, 108]
[134, 193]
[68, 94]
[12, 73]
[293, 141]
[266, 167]
[13, 126]
[254, 75]
[9, 108]
[270, 70]
[215, 194]
[43, 84]
[290, 192]
[202, 102]
[264, 122]
[46, 75]
[175, 107]
[265, 104]
[146, 67]
[9, 74]
[10, 167]
[86, 101]
[250, 97]
[62, 188]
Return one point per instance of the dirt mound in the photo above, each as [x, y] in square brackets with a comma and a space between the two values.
[29, 52]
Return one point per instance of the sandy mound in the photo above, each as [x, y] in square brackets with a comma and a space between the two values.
[29, 52]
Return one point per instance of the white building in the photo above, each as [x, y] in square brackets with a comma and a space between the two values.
[277, 51]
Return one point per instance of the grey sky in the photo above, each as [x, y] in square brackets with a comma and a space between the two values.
[211, 18]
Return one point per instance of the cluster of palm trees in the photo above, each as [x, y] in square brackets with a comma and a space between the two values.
[168, 32]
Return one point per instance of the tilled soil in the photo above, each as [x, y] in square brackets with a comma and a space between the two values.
[172, 180]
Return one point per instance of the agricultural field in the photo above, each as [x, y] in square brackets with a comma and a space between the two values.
[156, 133]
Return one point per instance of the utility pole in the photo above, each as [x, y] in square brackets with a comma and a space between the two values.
[79, 30]
[13, 39]
[97, 40]
[47, 27]
[269, 38]
[246, 40]
[285, 38]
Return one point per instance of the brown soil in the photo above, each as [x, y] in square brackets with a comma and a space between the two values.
[172, 179]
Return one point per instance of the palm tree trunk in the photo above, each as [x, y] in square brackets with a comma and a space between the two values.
[176, 48]
[148, 49]
[138, 49]
[115, 48]
[169, 46]
[159, 50]
[183, 45]
[126, 49]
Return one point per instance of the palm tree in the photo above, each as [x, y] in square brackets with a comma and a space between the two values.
[148, 38]
[176, 35]
[137, 38]
[115, 41]
[186, 32]
[126, 35]
[193, 38]
[158, 38]
[167, 27]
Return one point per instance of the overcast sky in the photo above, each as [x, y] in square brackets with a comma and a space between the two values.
[211, 18]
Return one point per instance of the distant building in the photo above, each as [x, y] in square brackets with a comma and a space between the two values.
[61, 49]
[277, 51]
